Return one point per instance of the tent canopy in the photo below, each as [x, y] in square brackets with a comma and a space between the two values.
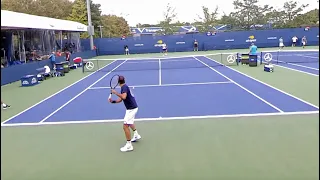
[14, 20]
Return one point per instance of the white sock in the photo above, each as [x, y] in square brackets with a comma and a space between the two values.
[135, 132]
[4, 105]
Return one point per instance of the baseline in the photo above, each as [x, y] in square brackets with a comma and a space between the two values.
[165, 119]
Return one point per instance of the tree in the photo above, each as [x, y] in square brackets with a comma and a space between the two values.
[169, 16]
[249, 13]
[208, 20]
[229, 20]
[310, 18]
[22, 6]
[114, 26]
[79, 14]
[59, 9]
[291, 10]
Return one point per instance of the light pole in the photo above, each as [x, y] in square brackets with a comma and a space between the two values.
[90, 27]
[100, 30]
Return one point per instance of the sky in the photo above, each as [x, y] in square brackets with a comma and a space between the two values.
[151, 11]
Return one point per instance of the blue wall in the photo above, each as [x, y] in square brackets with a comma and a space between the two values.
[15, 72]
[223, 40]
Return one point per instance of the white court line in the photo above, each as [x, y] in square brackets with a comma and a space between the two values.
[80, 93]
[166, 85]
[307, 67]
[296, 70]
[288, 94]
[160, 76]
[309, 56]
[165, 118]
[263, 100]
[54, 94]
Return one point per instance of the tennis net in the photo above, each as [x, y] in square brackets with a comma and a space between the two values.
[290, 56]
[163, 62]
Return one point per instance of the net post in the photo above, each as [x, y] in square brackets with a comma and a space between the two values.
[98, 67]
[82, 61]
[221, 61]
[237, 59]
[260, 57]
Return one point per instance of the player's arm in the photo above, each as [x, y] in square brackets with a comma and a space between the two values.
[121, 96]
[119, 100]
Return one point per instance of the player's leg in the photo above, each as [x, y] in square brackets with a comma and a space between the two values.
[128, 121]
[136, 135]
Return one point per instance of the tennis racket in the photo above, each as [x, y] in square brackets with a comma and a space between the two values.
[114, 83]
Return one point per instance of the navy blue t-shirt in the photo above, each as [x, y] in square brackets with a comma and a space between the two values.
[130, 101]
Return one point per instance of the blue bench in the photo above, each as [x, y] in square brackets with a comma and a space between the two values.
[42, 75]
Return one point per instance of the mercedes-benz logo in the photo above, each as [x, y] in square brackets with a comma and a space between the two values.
[267, 57]
[89, 65]
[231, 59]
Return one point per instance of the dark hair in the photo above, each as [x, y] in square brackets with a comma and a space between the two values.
[121, 80]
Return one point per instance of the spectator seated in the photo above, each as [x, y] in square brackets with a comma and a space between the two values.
[43, 73]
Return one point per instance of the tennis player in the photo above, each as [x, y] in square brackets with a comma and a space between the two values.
[281, 45]
[4, 106]
[132, 108]
[164, 49]
[304, 41]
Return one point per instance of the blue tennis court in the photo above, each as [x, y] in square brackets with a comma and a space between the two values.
[168, 89]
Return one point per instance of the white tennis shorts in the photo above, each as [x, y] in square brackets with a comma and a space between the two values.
[304, 43]
[130, 115]
[281, 44]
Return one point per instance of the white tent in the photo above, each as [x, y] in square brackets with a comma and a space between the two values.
[14, 20]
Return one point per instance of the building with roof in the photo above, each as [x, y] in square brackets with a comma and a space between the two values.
[28, 37]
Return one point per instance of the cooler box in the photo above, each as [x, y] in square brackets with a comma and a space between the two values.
[268, 68]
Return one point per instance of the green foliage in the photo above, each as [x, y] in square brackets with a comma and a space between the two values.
[310, 18]
[56, 9]
[169, 16]
[248, 13]
[79, 12]
[207, 20]
[114, 26]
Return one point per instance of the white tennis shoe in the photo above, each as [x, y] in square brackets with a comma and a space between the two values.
[127, 147]
[135, 138]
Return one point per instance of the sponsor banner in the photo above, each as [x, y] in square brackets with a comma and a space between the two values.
[251, 39]
[138, 45]
[159, 43]
[272, 38]
[180, 42]
[153, 30]
[229, 40]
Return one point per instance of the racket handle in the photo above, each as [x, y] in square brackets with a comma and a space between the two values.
[110, 96]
